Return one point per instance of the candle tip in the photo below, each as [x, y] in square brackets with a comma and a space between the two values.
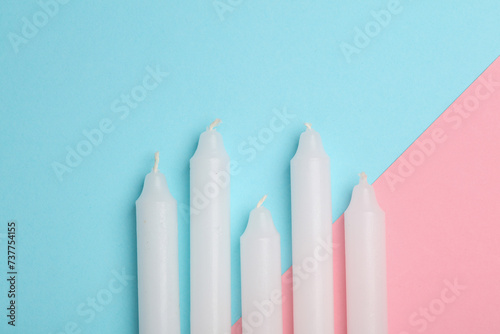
[157, 160]
[215, 123]
[308, 125]
[261, 201]
[362, 177]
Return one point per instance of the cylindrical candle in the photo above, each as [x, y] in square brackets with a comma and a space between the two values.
[210, 236]
[261, 274]
[365, 261]
[157, 257]
[311, 236]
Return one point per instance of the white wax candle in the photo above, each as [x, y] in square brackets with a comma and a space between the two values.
[261, 274]
[157, 257]
[210, 236]
[366, 285]
[311, 237]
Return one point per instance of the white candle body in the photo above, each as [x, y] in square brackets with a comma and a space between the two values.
[366, 285]
[312, 237]
[261, 275]
[157, 258]
[210, 237]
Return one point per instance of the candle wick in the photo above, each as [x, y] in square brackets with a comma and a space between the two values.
[308, 125]
[363, 176]
[214, 124]
[157, 160]
[261, 201]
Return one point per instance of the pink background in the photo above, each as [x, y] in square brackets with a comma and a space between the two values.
[441, 199]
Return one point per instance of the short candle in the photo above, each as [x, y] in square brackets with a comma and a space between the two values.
[365, 260]
[261, 274]
[157, 256]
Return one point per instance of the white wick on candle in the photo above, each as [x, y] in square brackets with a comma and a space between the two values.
[308, 125]
[214, 124]
[261, 201]
[362, 177]
[157, 160]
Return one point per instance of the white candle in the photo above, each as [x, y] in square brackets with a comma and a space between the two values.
[157, 257]
[210, 236]
[261, 274]
[366, 285]
[311, 237]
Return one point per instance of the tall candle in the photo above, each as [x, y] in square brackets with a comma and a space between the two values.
[210, 236]
[157, 257]
[261, 274]
[311, 236]
[365, 259]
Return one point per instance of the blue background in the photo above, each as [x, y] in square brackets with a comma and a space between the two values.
[260, 56]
